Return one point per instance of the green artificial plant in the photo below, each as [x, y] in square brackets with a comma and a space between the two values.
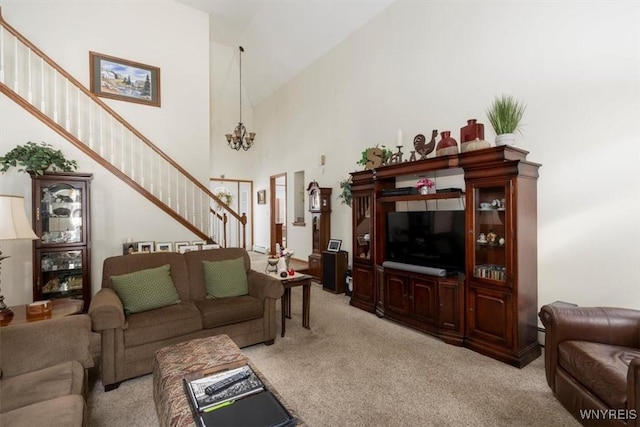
[345, 191]
[505, 114]
[36, 158]
[364, 160]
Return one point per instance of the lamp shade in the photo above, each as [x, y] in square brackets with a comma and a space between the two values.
[14, 224]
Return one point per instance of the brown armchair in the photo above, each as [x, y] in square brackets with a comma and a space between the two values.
[592, 362]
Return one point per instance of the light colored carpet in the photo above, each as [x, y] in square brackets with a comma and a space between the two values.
[354, 369]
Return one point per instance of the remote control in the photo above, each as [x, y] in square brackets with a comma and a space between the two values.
[226, 383]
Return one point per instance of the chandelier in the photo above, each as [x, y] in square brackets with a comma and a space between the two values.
[240, 138]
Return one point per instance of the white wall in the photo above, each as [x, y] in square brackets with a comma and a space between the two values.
[165, 34]
[432, 65]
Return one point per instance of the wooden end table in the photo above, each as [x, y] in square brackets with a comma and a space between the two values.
[60, 307]
[298, 279]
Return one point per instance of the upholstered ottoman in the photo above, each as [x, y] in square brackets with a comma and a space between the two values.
[173, 362]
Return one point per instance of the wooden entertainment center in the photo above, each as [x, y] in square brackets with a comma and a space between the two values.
[491, 306]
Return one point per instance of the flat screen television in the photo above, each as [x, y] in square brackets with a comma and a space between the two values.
[428, 239]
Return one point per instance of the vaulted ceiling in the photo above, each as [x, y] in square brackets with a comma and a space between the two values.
[282, 37]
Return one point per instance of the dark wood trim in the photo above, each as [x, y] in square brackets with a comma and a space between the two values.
[272, 207]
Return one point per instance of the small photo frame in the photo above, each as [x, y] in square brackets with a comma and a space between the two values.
[262, 197]
[179, 245]
[198, 243]
[129, 248]
[334, 245]
[190, 248]
[164, 247]
[210, 246]
[145, 247]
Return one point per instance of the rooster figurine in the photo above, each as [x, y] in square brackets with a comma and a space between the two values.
[422, 147]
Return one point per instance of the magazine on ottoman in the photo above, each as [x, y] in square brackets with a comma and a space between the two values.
[234, 396]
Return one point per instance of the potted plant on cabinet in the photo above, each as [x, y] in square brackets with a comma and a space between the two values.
[345, 191]
[374, 157]
[36, 158]
[505, 114]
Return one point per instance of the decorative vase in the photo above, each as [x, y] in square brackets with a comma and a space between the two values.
[287, 261]
[471, 131]
[447, 145]
[506, 139]
[476, 144]
[424, 190]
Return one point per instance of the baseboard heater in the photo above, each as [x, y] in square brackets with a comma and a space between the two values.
[260, 249]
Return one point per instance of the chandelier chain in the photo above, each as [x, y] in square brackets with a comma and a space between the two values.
[240, 138]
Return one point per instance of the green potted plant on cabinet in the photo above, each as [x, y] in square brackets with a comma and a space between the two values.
[345, 191]
[505, 114]
[374, 157]
[36, 158]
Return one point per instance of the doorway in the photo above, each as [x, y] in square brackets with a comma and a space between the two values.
[278, 203]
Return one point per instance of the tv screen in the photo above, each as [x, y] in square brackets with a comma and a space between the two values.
[429, 239]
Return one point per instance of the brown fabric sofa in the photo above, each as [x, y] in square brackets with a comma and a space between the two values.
[44, 372]
[592, 362]
[129, 342]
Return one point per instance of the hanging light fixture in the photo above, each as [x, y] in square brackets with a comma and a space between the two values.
[240, 138]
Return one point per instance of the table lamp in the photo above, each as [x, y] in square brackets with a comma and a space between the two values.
[14, 225]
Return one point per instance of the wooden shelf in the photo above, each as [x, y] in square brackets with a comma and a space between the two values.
[414, 197]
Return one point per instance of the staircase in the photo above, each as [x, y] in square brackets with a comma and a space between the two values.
[40, 86]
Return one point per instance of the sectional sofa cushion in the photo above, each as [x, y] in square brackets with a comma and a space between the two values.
[227, 311]
[226, 278]
[42, 385]
[62, 411]
[146, 289]
[161, 324]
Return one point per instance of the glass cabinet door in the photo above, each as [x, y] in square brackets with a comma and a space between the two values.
[60, 214]
[61, 273]
[490, 228]
[361, 206]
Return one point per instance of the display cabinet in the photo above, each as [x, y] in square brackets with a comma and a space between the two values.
[61, 218]
[491, 306]
[362, 207]
[501, 259]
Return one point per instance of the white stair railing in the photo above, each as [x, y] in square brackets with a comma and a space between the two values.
[34, 81]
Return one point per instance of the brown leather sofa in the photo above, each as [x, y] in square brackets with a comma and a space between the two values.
[129, 342]
[44, 372]
[592, 362]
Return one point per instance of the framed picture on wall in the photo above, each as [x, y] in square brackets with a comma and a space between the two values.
[334, 245]
[262, 197]
[124, 80]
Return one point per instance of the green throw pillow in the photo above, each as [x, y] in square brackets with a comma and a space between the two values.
[146, 289]
[225, 278]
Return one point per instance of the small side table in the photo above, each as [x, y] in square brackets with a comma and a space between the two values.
[60, 307]
[289, 282]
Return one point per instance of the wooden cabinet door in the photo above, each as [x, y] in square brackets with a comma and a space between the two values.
[315, 266]
[490, 316]
[396, 293]
[424, 299]
[451, 304]
[363, 290]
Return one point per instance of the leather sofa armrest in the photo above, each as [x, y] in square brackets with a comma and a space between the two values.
[607, 325]
[106, 310]
[38, 345]
[264, 286]
[633, 391]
